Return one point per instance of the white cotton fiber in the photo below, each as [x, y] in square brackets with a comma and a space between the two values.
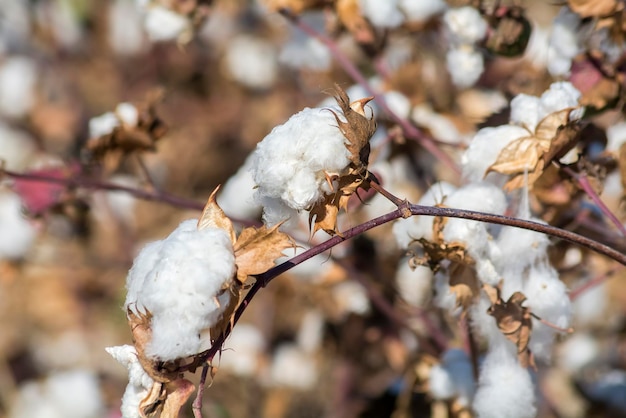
[578, 351]
[18, 234]
[453, 378]
[180, 281]
[505, 389]
[18, 78]
[294, 368]
[252, 61]
[17, 148]
[547, 298]
[407, 230]
[485, 147]
[525, 111]
[139, 383]
[421, 10]
[163, 24]
[382, 13]
[561, 95]
[289, 166]
[441, 127]
[414, 286]
[351, 297]
[303, 51]
[242, 350]
[236, 197]
[465, 25]
[465, 64]
[519, 248]
[564, 44]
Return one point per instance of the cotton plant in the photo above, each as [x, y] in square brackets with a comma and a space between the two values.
[181, 295]
[171, 21]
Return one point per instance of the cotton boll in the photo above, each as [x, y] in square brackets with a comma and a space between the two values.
[465, 65]
[485, 147]
[547, 298]
[414, 286]
[292, 367]
[68, 394]
[399, 104]
[311, 331]
[128, 114]
[103, 124]
[561, 95]
[465, 25]
[18, 78]
[564, 45]
[382, 13]
[242, 350]
[440, 384]
[505, 389]
[538, 49]
[139, 383]
[305, 52]
[18, 234]
[236, 197]
[290, 163]
[519, 248]
[350, 297]
[125, 33]
[252, 61]
[17, 148]
[407, 230]
[443, 297]
[421, 10]
[525, 111]
[578, 351]
[163, 24]
[453, 378]
[180, 281]
[442, 128]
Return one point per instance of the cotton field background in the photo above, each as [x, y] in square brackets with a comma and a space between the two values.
[124, 267]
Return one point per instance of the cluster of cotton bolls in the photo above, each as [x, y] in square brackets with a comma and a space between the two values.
[516, 260]
[391, 14]
[466, 27]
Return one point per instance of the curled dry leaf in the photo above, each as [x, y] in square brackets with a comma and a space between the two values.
[357, 129]
[514, 321]
[165, 400]
[526, 158]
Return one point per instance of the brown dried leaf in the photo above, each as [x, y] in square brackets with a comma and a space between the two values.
[152, 404]
[178, 392]
[464, 284]
[349, 13]
[593, 8]
[256, 249]
[214, 217]
[514, 321]
[526, 158]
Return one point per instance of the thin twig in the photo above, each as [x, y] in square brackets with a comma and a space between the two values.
[410, 131]
[197, 402]
[551, 325]
[265, 278]
[584, 183]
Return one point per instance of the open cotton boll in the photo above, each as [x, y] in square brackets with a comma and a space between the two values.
[485, 147]
[125, 33]
[251, 61]
[127, 114]
[442, 128]
[236, 197]
[443, 297]
[290, 164]
[382, 13]
[561, 95]
[465, 25]
[421, 10]
[399, 104]
[414, 286]
[547, 298]
[294, 368]
[18, 77]
[465, 65]
[482, 197]
[303, 51]
[17, 148]
[103, 124]
[505, 389]
[139, 383]
[577, 351]
[525, 111]
[564, 44]
[67, 394]
[519, 248]
[407, 230]
[180, 281]
[351, 297]
[18, 234]
[163, 24]
[242, 350]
